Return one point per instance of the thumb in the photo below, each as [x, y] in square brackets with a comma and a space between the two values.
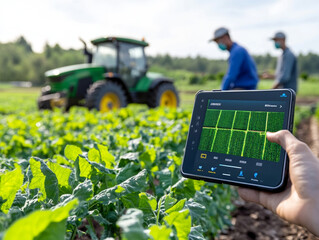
[284, 138]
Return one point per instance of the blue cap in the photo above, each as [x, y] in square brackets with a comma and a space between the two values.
[279, 35]
[219, 33]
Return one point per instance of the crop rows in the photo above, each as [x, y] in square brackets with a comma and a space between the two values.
[254, 145]
[88, 175]
[221, 145]
[241, 133]
[237, 142]
[272, 150]
[258, 121]
[241, 120]
[226, 119]
[275, 120]
[207, 138]
[211, 118]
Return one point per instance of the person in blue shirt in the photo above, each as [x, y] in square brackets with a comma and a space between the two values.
[286, 70]
[242, 72]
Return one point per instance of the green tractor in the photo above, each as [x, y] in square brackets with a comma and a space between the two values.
[115, 75]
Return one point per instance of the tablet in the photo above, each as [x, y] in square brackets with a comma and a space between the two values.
[227, 141]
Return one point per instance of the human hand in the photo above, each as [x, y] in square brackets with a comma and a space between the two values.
[299, 202]
[267, 75]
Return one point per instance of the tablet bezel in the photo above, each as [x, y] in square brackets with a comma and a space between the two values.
[199, 110]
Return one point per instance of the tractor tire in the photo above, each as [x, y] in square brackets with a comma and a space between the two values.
[43, 105]
[106, 96]
[164, 95]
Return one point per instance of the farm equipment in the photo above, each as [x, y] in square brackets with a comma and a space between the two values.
[116, 74]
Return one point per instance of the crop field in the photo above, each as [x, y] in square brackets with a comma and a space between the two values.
[241, 133]
[254, 145]
[207, 138]
[226, 119]
[211, 117]
[276, 122]
[221, 142]
[272, 150]
[258, 121]
[86, 175]
[241, 120]
[236, 142]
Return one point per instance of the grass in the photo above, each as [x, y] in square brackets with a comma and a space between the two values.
[14, 99]
[187, 92]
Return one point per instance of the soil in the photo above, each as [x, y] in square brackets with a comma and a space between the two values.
[252, 221]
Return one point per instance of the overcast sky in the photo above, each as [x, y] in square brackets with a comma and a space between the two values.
[178, 27]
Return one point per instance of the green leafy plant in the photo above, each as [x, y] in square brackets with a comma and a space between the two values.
[114, 175]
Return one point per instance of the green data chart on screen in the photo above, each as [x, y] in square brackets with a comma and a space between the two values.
[241, 133]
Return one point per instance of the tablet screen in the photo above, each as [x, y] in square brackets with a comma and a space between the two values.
[241, 132]
[229, 141]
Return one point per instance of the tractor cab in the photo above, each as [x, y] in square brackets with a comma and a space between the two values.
[122, 56]
[116, 74]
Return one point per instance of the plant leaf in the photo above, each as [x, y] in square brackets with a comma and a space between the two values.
[44, 179]
[134, 184]
[10, 183]
[71, 152]
[181, 221]
[132, 225]
[160, 232]
[196, 233]
[106, 157]
[84, 191]
[63, 175]
[46, 224]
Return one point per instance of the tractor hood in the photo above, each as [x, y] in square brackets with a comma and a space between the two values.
[72, 69]
[154, 75]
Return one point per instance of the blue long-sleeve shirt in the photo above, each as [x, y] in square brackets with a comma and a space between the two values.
[242, 71]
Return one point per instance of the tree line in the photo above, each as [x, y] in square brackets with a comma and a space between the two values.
[18, 62]
[307, 64]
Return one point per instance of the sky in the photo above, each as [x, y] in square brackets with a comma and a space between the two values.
[178, 27]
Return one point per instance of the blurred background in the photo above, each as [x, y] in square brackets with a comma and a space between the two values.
[36, 36]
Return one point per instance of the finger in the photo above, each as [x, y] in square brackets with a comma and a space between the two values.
[284, 138]
[249, 194]
[257, 197]
[268, 200]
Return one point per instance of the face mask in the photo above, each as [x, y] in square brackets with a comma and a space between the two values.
[222, 46]
[277, 45]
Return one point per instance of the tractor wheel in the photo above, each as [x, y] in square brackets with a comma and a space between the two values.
[105, 96]
[164, 95]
